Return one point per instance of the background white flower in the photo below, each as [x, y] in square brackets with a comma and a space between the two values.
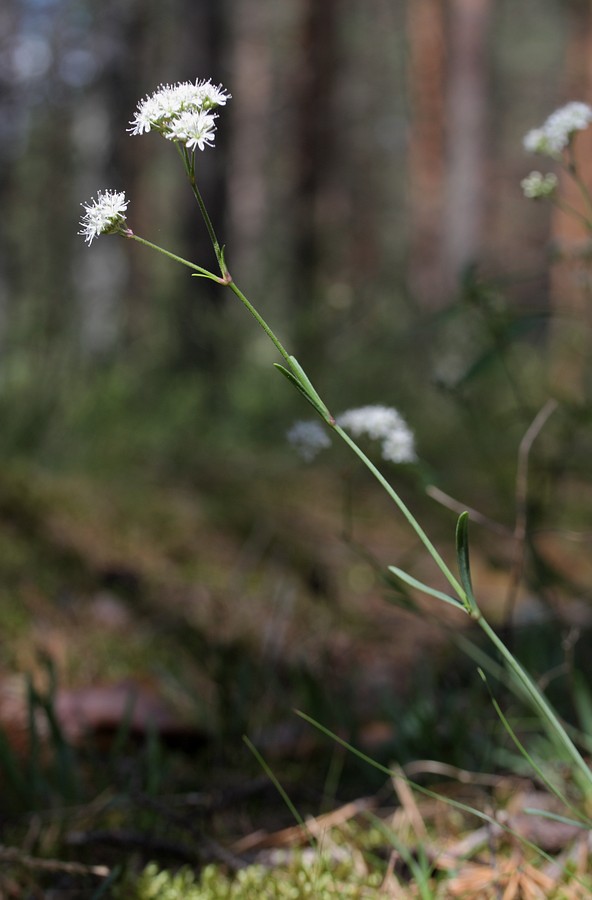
[105, 215]
[308, 438]
[385, 424]
[557, 131]
[537, 185]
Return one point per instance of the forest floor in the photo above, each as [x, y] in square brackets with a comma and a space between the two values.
[157, 640]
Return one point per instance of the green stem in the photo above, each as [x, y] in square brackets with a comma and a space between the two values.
[184, 262]
[454, 583]
[209, 226]
[538, 700]
[573, 171]
[261, 321]
[188, 160]
[569, 210]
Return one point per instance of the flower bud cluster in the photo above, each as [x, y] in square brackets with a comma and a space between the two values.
[537, 186]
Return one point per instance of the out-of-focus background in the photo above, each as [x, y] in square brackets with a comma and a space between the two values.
[369, 159]
[156, 527]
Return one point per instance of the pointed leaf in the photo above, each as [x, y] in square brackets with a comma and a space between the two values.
[308, 388]
[462, 553]
[420, 586]
[293, 380]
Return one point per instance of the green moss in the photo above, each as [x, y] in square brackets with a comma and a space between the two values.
[304, 875]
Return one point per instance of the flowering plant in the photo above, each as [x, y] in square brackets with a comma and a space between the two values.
[184, 114]
[555, 139]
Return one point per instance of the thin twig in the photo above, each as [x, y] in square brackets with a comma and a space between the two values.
[14, 855]
[433, 767]
[456, 506]
[135, 840]
[521, 524]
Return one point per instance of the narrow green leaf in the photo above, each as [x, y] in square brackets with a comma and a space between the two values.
[527, 756]
[462, 554]
[420, 586]
[443, 798]
[545, 814]
[276, 783]
[525, 686]
[583, 702]
[308, 388]
[322, 410]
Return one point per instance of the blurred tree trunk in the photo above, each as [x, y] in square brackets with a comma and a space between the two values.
[11, 118]
[468, 105]
[448, 78]
[248, 182]
[315, 66]
[117, 278]
[426, 77]
[171, 319]
[571, 273]
[201, 46]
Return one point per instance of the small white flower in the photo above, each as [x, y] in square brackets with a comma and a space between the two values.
[192, 128]
[105, 215]
[399, 446]
[174, 111]
[536, 141]
[535, 186]
[557, 131]
[308, 438]
[147, 116]
[385, 424]
[212, 96]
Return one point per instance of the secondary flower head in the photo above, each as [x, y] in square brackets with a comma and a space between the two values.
[384, 424]
[536, 186]
[181, 112]
[380, 423]
[308, 438]
[105, 215]
[557, 131]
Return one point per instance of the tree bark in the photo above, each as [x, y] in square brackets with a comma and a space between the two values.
[314, 142]
[571, 272]
[468, 103]
[426, 76]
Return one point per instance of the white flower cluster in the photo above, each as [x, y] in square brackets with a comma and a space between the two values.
[308, 438]
[557, 131]
[181, 112]
[384, 424]
[381, 423]
[105, 215]
[536, 185]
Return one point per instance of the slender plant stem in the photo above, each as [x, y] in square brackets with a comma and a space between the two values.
[261, 321]
[455, 584]
[571, 211]
[209, 226]
[188, 160]
[538, 700]
[184, 262]
[573, 171]
[520, 527]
